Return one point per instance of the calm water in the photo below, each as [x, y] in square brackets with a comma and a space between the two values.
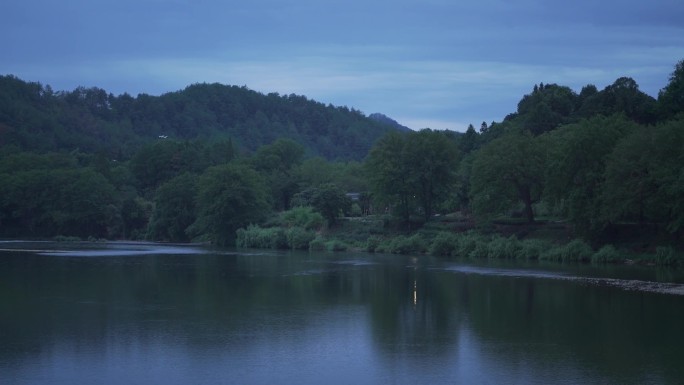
[142, 314]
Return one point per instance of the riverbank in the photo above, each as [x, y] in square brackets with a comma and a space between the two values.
[458, 236]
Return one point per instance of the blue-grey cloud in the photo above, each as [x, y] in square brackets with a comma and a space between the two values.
[437, 63]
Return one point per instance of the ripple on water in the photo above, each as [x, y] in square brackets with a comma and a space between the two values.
[625, 284]
[124, 252]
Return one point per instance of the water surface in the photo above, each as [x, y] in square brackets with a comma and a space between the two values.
[174, 314]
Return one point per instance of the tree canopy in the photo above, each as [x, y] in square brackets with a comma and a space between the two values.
[200, 163]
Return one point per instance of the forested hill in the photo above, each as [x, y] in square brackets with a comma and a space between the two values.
[33, 117]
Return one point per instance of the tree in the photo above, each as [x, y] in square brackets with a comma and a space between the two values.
[575, 170]
[163, 160]
[174, 209]
[630, 190]
[390, 173]
[330, 201]
[229, 197]
[671, 98]
[219, 152]
[76, 201]
[624, 97]
[507, 171]
[644, 181]
[278, 162]
[433, 156]
[414, 170]
[546, 108]
[470, 140]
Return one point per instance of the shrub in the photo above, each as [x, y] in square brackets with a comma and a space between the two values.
[607, 254]
[317, 244]
[532, 249]
[256, 237]
[665, 256]
[383, 247]
[372, 243]
[500, 247]
[576, 251]
[553, 253]
[481, 250]
[299, 238]
[303, 216]
[444, 244]
[467, 243]
[336, 245]
[414, 244]
[355, 210]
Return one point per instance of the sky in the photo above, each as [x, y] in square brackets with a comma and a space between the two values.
[440, 64]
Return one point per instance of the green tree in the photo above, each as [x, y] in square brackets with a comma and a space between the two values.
[470, 140]
[77, 202]
[229, 197]
[433, 156]
[416, 170]
[174, 209]
[630, 189]
[644, 181]
[389, 173]
[575, 171]
[278, 161]
[330, 201]
[671, 98]
[163, 160]
[624, 97]
[219, 152]
[546, 108]
[507, 171]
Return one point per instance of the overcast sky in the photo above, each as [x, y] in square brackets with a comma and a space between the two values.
[426, 63]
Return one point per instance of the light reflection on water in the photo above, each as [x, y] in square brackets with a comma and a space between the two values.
[175, 314]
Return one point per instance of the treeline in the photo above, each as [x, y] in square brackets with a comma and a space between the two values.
[35, 118]
[595, 160]
[168, 191]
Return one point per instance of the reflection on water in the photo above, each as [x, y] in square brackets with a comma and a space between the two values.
[627, 284]
[174, 314]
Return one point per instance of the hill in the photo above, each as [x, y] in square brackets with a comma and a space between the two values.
[33, 117]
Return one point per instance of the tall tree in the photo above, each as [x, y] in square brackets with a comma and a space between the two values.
[671, 98]
[644, 179]
[507, 171]
[390, 173]
[174, 209]
[229, 197]
[433, 156]
[414, 170]
[576, 167]
[330, 201]
[278, 161]
[546, 108]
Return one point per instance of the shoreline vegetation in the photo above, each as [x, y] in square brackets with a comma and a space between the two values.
[588, 176]
[449, 236]
[455, 236]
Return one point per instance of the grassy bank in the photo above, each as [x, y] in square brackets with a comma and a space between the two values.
[452, 237]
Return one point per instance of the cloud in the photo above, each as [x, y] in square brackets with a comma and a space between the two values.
[435, 63]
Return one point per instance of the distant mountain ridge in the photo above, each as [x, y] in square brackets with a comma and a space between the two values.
[33, 117]
[382, 118]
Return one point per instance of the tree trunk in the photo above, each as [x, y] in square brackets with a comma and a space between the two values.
[526, 197]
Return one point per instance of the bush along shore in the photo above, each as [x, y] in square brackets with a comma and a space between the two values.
[304, 229]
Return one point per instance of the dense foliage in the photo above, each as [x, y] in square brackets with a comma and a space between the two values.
[227, 164]
[33, 117]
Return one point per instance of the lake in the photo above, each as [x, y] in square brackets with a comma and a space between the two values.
[135, 313]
